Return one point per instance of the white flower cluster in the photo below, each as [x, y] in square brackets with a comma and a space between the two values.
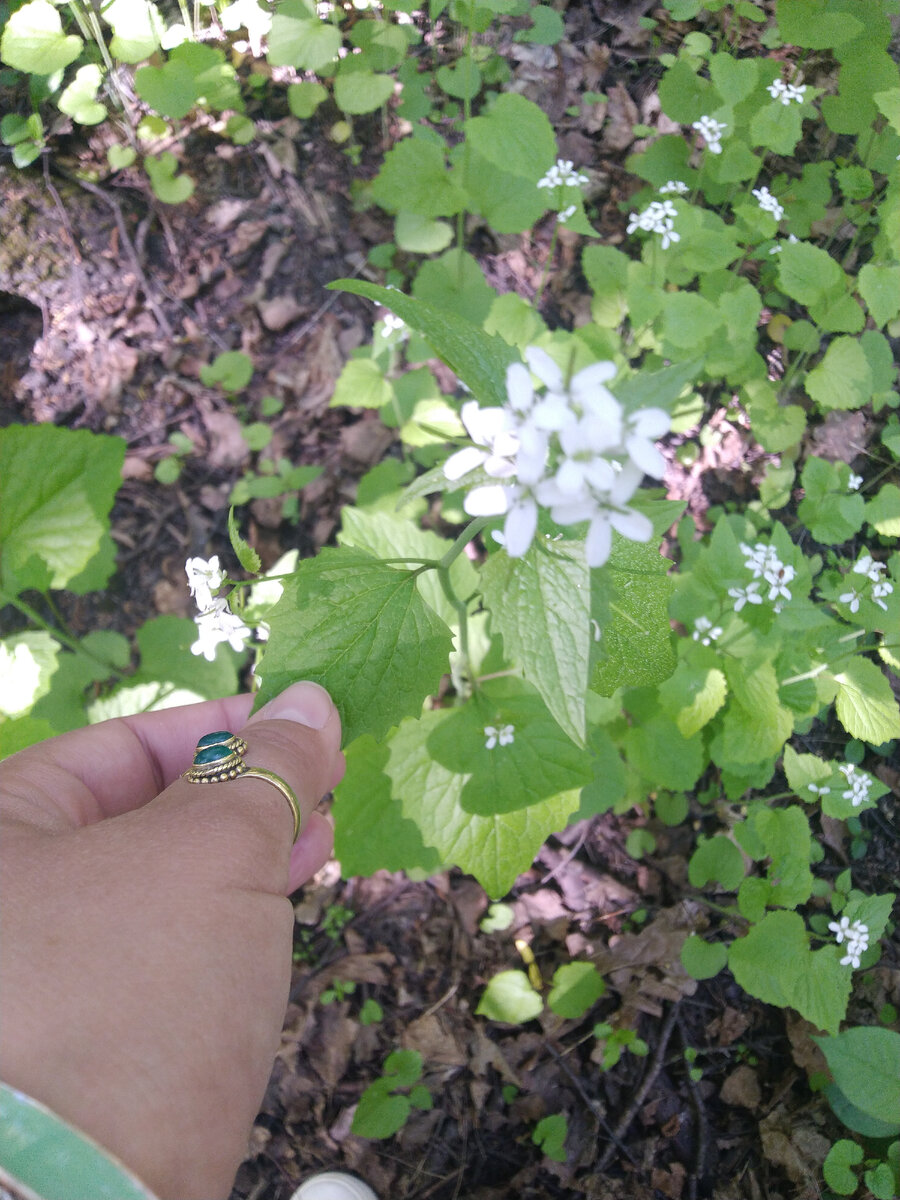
[392, 324]
[705, 632]
[562, 174]
[859, 785]
[503, 736]
[768, 203]
[786, 92]
[216, 623]
[764, 563]
[711, 131]
[674, 187]
[658, 217]
[857, 936]
[572, 450]
[854, 483]
[880, 588]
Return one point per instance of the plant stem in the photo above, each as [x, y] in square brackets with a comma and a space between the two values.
[548, 264]
[59, 635]
[470, 531]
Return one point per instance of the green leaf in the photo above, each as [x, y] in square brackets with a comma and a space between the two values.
[379, 1114]
[550, 1132]
[358, 90]
[304, 98]
[690, 322]
[165, 647]
[515, 136]
[510, 997]
[167, 186]
[21, 732]
[815, 23]
[664, 757]
[360, 629]
[299, 39]
[805, 769]
[716, 858]
[539, 603]
[120, 157]
[777, 127]
[421, 235]
[246, 555]
[843, 1155]
[703, 960]
[455, 283]
[577, 986]
[829, 512]
[806, 273]
[693, 696]
[504, 199]
[137, 27]
[854, 1118]
[371, 834]
[756, 724]
[231, 370]
[56, 490]
[865, 704]
[414, 177]
[496, 828]
[478, 359]
[775, 964]
[385, 535]
[33, 40]
[362, 384]
[865, 1064]
[499, 917]
[775, 426]
[684, 96]
[79, 100]
[28, 662]
[635, 644]
[462, 80]
[169, 90]
[843, 379]
[883, 511]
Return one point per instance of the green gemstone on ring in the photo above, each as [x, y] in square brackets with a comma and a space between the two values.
[211, 754]
[214, 739]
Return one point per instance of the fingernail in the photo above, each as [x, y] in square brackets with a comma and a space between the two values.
[306, 703]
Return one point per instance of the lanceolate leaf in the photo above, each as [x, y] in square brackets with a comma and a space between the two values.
[360, 629]
[479, 359]
[540, 604]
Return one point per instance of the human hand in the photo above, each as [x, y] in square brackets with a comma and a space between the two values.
[146, 952]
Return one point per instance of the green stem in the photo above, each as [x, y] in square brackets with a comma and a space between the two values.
[548, 263]
[471, 530]
[59, 635]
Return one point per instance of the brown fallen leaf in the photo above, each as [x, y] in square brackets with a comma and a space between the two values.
[279, 312]
[621, 117]
[741, 1088]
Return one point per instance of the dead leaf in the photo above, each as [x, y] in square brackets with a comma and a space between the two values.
[621, 117]
[804, 1051]
[841, 437]
[741, 1088]
[729, 1026]
[279, 312]
[366, 440]
[669, 1181]
[225, 439]
[433, 1038]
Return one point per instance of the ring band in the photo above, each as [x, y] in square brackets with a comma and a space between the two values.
[219, 758]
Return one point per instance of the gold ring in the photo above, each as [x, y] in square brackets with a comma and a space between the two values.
[219, 759]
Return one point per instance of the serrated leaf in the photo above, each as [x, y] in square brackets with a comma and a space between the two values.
[577, 986]
[478, 359]
[693, 696]
[843, 379]
[361, 91]
[703, 960]
[514, 136]
[371, 833]
[414, 177]
[387, 536]
[361, 630]
[865, 703]
[807, 273]
[879, 286]
[883, 511]
[510, 997]
[539, 603]
[865, 1063]
[635, 643]
[501, 839]
[165, 642]
[246, 555]
[33, 40]
[716, 858]
[56, 490]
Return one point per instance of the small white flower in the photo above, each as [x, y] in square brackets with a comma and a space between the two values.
[674, 186]
[796, 91]
[216, 626]
[860, 786]
[851, 599]
[748, 595]
[705, 632]
[777, 575]
[205, 577]
[819, 791]
[851, 958]
[854, 483]
[711, 131]
[785, 93]
[491, 428]
[567, 212]
[879, 590]
[871, 569]
[392, 324]
[658, 217]
[840, 929]
[498, 737]
[768, 203]
[562, 174]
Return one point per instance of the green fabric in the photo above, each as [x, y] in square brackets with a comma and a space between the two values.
[41, 1152]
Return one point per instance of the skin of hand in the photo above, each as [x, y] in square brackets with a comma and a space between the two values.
[146, 952]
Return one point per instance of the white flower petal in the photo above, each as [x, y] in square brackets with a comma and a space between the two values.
[487, 501]
[463, 461]
[518, 387]
[520, 526]
[632, 525]
[544, 367]
[646, 455]
[599, 541]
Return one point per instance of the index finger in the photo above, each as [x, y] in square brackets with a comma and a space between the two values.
[89, 774]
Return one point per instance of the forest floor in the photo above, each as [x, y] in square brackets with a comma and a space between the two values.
[111, 303]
